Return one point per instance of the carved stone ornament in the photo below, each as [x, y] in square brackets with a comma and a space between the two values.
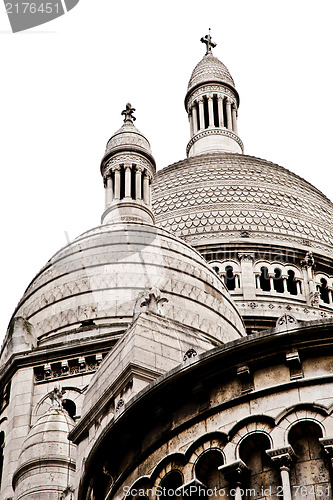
[56, 396]
[153, 300]
[315, 297]
[308, 261]
[191, 353]
[286, 319]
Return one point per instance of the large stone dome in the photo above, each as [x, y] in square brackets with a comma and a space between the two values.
[101, 278]
[213, 198]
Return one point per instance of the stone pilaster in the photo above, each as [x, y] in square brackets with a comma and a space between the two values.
[248, 278]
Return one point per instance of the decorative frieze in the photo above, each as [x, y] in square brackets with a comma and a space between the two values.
[68, 367]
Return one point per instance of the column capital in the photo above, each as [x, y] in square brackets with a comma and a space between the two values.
[139, 169]
[284, 457]
[116, 168]
[128, 166]
[327, 444]
[246, 257]
[235, 472]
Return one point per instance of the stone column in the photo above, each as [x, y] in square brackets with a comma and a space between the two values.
[284, 283]
[195, 118]
[330, 290]
[284, 457]
[229, 116]
[138, 176]
[299, 286]
[234, 119]
[146, 189]
[116, 183]
[271, 281]
[236, 473]
[201, 114]
[108, 191]
[210, 111]
[128, 181]
[248, 282]
[257, 275]
[220, 110]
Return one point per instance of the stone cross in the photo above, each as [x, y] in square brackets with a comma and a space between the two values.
[128, 112]
[209, 44]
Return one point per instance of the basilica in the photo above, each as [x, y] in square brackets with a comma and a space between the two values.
[184, 346]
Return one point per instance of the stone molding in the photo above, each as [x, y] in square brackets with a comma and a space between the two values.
[214, 131]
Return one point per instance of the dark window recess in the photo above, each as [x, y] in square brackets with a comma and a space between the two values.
[225, 112]
[229, 279]
[206, 115]
[291, 283]
[122, 182]
[216, 111]
[278, 281]
[198, 118]
[264, 280]
[170, 483]
[216, 269]
[4, 396]
[70, 407]
[323, 290]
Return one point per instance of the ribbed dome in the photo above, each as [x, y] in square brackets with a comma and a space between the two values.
[100, 275]
[212, 198]
[210, 69]
[128, 138]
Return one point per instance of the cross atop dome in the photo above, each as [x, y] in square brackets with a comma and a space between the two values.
[209, 44]
[128, 112]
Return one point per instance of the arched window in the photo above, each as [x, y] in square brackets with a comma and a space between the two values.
[170, 483]
[264, 280]
[229, 278]
[324, 291]
[311, 468]
[291, 283]
[263, 471]
[206, 469]
[278, 281]
[70, 407]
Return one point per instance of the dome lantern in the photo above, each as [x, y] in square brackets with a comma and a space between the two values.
[212, 106]
[128, 167]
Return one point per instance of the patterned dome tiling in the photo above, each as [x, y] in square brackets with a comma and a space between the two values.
[217, 195]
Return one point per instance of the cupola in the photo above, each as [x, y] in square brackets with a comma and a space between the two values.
[212, 106]
[128, 167]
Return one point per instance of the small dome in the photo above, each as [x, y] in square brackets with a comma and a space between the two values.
[46, 445]
[210, 69]
[99, 277]
[128, 138]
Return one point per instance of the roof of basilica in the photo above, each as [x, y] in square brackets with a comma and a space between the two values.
[210, 198]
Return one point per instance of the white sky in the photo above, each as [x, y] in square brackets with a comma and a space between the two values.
[64, 84]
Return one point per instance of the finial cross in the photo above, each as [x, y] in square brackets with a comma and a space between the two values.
[209, 44]
[128, 112]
